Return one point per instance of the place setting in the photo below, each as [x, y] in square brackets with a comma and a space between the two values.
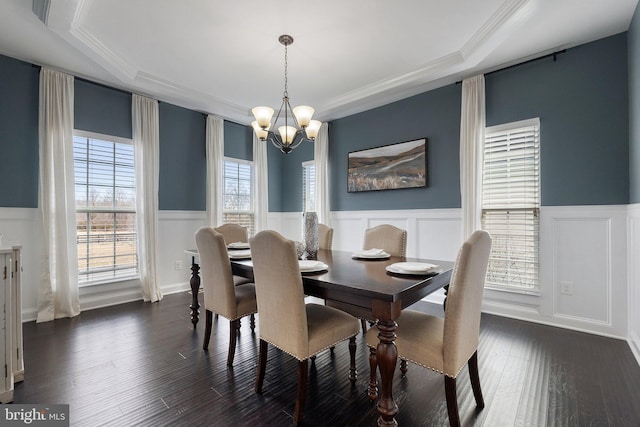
[371, 254]
[238, 245]
[240, 254]
[308, 266]
[412, 268]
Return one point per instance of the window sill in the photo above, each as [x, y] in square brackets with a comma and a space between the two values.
[107, 281]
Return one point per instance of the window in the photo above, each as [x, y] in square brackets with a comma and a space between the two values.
[511, 204]
[105, 207]
[308, 186]
[238, 193]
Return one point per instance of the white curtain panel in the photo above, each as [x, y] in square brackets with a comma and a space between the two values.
[472, 124]
[260, 184]
[321, 161]
[215, 169]
[146, 145]
[58, 289]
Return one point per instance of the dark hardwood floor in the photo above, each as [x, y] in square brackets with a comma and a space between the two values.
[142, 364]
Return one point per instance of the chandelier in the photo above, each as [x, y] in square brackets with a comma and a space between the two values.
[298, 126]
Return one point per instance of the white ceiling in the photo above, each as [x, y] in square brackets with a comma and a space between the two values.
[224, 57]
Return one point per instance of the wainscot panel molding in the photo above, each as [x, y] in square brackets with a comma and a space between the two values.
[583, 268]
[634, 279]
[176, 230]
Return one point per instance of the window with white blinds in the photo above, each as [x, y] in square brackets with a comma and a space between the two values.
[238, 193]
[511, 204]
[308, 186]
[105, 195]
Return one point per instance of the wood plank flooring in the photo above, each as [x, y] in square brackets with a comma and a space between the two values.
[142, 364]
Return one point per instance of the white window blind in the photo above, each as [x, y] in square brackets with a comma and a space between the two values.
[105, 194]
[511, 203]
[238, 193]
[308, 186]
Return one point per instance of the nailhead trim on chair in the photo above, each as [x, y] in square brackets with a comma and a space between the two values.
[428, 367]
[317, 352]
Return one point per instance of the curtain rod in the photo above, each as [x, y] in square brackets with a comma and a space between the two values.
[554, 55]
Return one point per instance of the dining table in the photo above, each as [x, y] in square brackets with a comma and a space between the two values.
[363, 287]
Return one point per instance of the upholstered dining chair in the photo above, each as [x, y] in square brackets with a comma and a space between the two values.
[285, 321]
[390, 238]
[325, 236]
[446, 345]
[233, 233]
[221, 295]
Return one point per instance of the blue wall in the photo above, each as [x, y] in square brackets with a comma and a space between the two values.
[582, 102]
[101, 109]
[183, 166]
[588, 102]
[107, 111]
[434, 115]
[290, 171]
[634, 108]
[18, 133]
[238, 141]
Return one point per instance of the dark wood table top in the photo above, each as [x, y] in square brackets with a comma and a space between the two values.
[358, 282]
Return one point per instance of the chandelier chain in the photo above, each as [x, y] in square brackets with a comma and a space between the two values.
[286, 64]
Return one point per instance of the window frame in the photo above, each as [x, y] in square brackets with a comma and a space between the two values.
[135, 273]
[252, 212]
[529, 212]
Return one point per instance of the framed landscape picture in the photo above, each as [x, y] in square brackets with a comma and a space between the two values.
[402, 165]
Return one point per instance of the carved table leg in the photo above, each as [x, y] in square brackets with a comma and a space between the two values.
[373, 375]
[387, 357]
[195, 286]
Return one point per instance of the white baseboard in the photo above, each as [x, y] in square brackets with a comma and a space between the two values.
[175, 288]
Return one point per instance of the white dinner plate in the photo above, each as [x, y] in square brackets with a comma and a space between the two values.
[308, 266]
[238, 245]
[371, 254]
[416, 268]
[246, 254]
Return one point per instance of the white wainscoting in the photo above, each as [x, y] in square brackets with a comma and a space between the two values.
[585, 246]
[634, 279]
[595, 248]
[176, 230]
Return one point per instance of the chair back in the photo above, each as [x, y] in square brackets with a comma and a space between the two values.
[325, 236]
[464, 302]
[215, 273]
[233, 233]
[279, 292]
[391, 239]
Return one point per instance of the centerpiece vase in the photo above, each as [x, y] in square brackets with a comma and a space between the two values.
[311, 235]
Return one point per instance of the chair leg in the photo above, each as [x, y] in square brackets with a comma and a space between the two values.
[233, 328]
[475, 380]
[207, 329]
[364, 326]
[373, 367]
[262, 365]
[252, 322]
[302, 390]
[452, 401]
[353, 372]
[403, 367]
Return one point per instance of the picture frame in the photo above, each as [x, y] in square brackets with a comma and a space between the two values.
[389, 167]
